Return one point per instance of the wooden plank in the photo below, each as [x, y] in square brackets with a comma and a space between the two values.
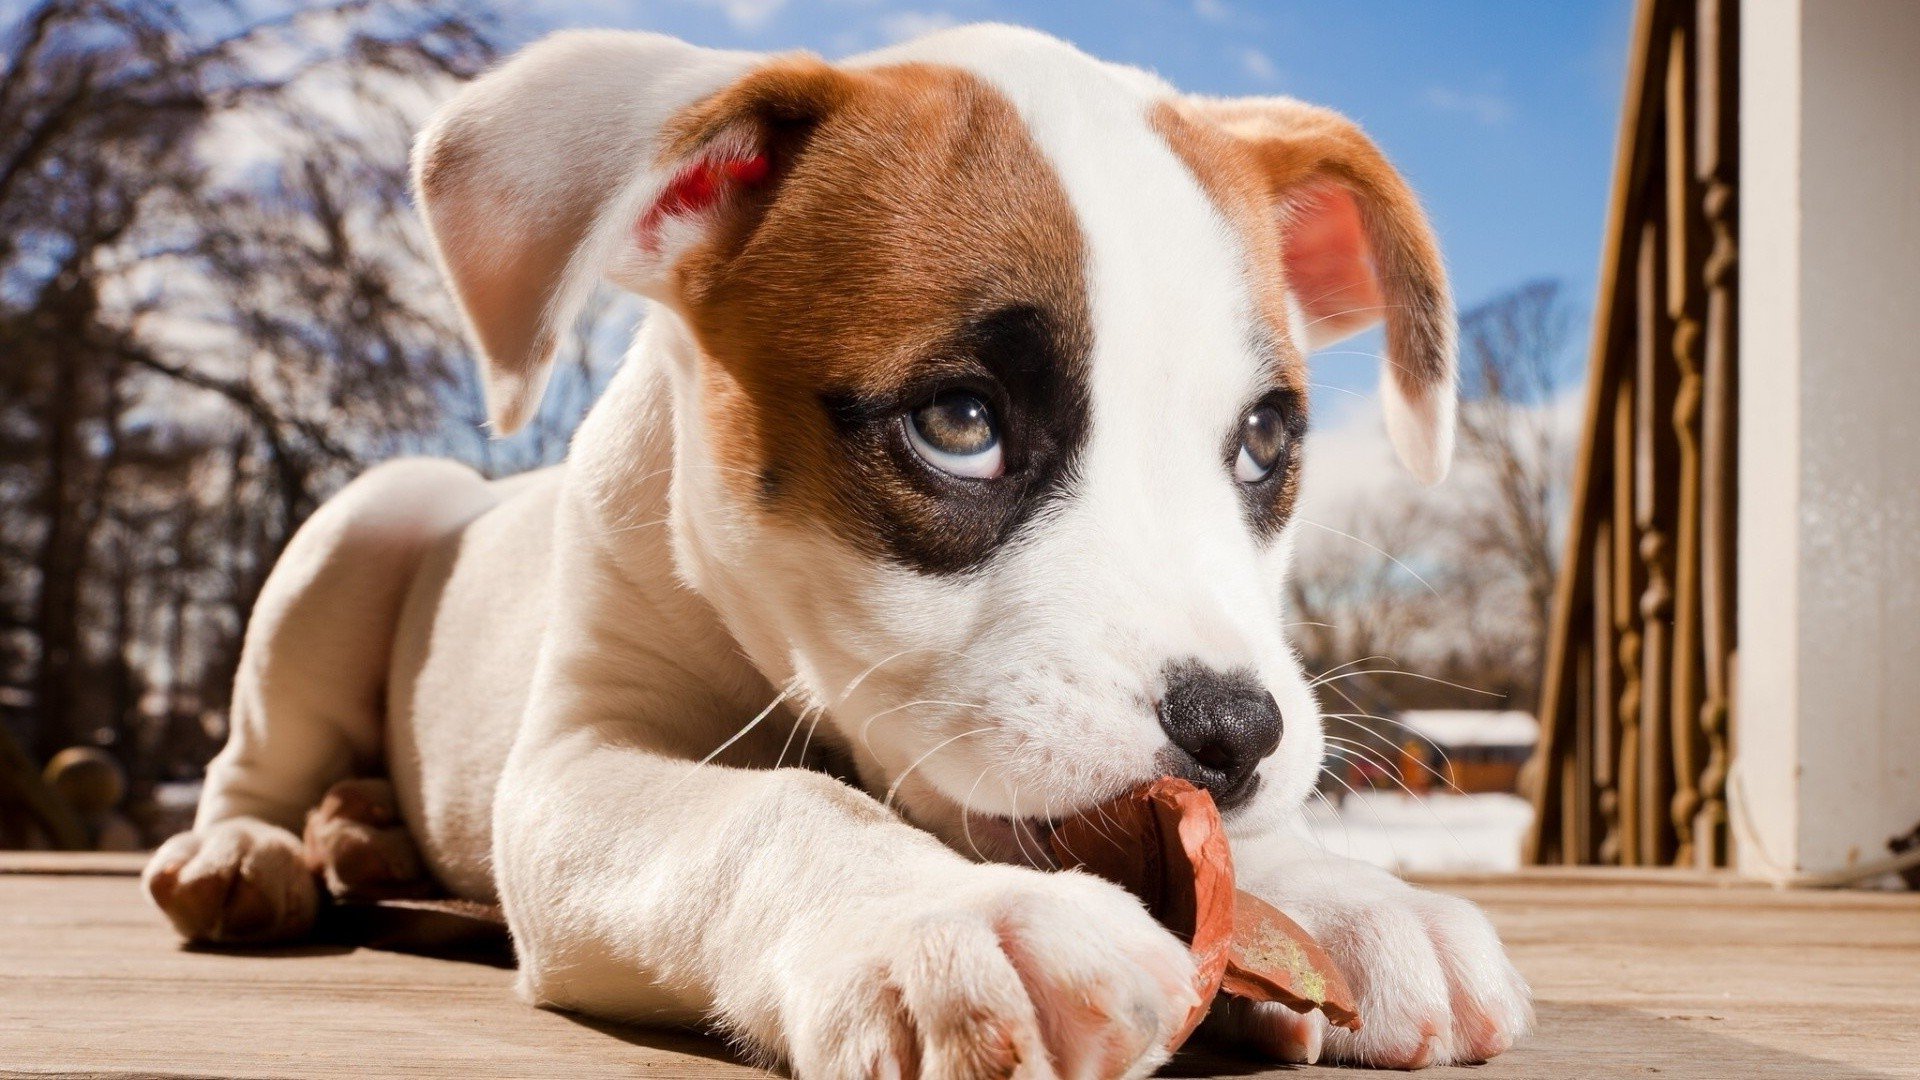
[1656, 973]
[72, 862]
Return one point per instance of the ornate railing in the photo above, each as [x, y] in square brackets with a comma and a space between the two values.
[1637, 699]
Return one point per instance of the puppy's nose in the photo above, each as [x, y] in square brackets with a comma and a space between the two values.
[1222, 724]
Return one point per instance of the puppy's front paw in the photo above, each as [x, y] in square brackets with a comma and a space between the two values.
[1434, 983]
[239, 881]
[1009, 973]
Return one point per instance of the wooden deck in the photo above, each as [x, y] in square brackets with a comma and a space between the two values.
[1639, 975]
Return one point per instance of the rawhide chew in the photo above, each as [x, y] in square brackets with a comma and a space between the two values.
[1164, 843]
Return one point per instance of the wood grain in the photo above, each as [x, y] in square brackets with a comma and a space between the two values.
[1641, 975]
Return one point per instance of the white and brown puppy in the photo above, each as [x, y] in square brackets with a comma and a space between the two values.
[958, 448]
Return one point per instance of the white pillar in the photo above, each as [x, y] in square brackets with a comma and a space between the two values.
[1827, 745]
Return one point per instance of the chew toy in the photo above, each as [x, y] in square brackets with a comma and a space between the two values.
[1164, 843]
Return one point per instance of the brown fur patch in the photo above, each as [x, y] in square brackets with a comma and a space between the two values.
[1321, 212]
[1288, 173]
[912, 233]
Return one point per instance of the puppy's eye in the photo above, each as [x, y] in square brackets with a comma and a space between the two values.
[955, 433]
[1263, 436]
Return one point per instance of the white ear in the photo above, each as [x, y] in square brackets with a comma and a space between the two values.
[534, 179]
[1358, 251]
[1420, 425]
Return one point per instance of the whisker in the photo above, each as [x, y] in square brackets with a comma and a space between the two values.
[854, 683]
[1379, 758]
[1332, 389]
[655, 523]
[1346, 697]
[799, 719]
[1381, 825]
[1344, 312]
[1416, 675]
[1362, 353]
[1046, 814]
[1425, 804]
[1392, 771]
[894, 788]
[750, 725]
[1381, 552]
[966, 816]
[818, 711]
[1445, 759]
[1345, 832]
[1017, 822]
[868, 726]
[1354, 719]
[807, 743]
[1367, 753]
[1324, 676]
[792, 685]
[1344, 784]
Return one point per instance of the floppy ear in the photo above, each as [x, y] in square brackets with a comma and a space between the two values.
[1356, 249]
[591, 155]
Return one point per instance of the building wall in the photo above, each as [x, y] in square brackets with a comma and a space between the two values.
[1828, 738]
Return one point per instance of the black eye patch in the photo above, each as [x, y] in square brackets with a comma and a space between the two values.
[1270, 500]
[1030, 364]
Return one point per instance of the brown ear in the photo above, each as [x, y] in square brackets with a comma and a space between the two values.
[1356, 249]
[588, 156]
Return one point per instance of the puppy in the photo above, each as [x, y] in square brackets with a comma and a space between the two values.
[945, 491]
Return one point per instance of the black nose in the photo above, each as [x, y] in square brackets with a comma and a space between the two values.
[1223, 723]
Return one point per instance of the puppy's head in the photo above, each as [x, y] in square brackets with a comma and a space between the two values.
[989, 420]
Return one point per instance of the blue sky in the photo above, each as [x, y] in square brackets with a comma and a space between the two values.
[1501, 112]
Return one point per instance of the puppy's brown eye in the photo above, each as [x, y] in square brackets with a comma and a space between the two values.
[1263, 436]
[955, 433]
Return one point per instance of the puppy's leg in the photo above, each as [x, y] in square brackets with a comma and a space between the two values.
[1434, 983]
[816, 926]
[307, 702]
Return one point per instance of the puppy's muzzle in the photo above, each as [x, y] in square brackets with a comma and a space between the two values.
[1221, 725]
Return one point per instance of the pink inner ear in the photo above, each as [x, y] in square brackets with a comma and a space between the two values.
[700, 187]
[1329, 264]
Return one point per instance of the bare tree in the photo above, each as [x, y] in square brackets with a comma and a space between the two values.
[1511, 350]
[215, 307]
[1444, 594]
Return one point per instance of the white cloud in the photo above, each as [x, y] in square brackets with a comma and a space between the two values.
[746, 14]
[1483, 107]
[1350, 463]
[906, 25]
[1351, 468]
[1213, 11]
[1258, 65]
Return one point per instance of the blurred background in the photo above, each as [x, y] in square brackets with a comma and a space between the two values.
[216, 306]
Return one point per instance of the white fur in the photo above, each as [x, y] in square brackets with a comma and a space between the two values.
[562, 653]
[1420, 424]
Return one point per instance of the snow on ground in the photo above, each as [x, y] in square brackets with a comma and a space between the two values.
[1430, 834]
[1427, 834]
